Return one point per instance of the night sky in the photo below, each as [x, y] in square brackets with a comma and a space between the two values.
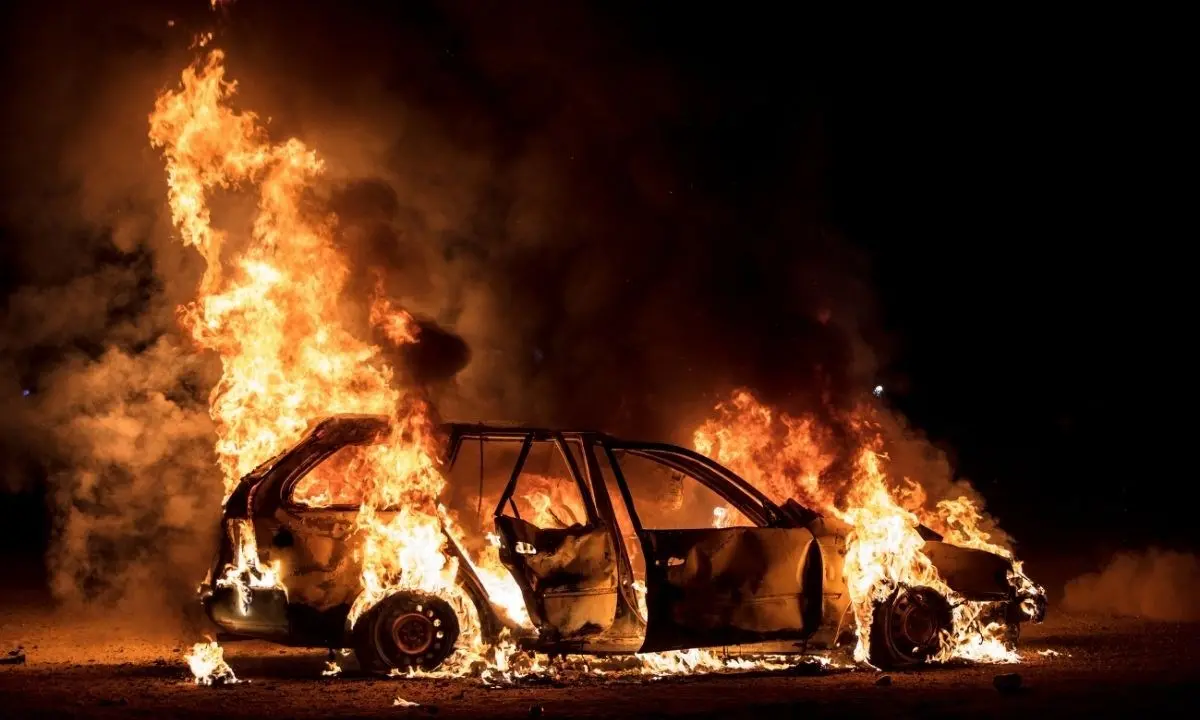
[1016, 194]
[986, 204]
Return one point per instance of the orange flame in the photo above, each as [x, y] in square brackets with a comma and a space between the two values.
[208, 666]
[788, 457]
[271, 305]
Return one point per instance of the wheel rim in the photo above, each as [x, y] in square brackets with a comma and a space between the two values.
[410, 630]
[917, 619]
[916, 624]
[413, 633]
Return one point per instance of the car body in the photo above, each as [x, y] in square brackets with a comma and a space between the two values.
[617, 553]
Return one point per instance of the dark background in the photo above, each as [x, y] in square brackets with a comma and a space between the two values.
[987, 207]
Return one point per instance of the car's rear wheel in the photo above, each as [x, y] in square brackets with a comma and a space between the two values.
[408, 630]
[907, 627]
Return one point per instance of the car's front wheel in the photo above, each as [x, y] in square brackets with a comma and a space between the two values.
[408, 630]
[907, 628]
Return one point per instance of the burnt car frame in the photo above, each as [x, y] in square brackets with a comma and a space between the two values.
[774, 584]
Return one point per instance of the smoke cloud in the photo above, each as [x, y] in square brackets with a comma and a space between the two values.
[1155, 584]
[104, 405]
[913, 457]
[136, 501]
[549, 193]
[569, 214]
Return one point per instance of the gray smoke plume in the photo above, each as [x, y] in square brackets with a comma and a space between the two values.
[543, 196]
[1154, 583]
[136, 495]
[104, 403]
[913, 457]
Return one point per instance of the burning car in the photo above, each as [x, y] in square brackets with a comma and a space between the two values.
[614, 546]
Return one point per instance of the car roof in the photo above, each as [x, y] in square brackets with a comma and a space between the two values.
[372, 423]
[458, 427]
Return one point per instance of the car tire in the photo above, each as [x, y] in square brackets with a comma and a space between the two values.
[907, 628]
[406, 631]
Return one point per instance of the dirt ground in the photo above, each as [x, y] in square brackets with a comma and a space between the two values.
[85, 668]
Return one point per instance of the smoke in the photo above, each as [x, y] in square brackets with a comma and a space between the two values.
[104, 405]
[135, 497]
[1155, 584]
[558, 195]
[561, 203]
[912, 457]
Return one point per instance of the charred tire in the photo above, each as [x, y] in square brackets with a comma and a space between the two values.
[408, 630]
[907, 627]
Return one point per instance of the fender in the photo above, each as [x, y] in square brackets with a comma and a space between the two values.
[974, 574]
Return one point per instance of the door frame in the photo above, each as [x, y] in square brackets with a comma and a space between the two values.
[595, 520]
[752, 503]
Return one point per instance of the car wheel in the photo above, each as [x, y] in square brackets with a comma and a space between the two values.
[406, 631]
[907, 627]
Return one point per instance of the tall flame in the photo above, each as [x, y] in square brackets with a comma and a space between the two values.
[270, 304]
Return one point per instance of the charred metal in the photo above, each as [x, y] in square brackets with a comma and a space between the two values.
[772, 584]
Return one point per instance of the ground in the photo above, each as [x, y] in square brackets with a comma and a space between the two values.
[80, 667]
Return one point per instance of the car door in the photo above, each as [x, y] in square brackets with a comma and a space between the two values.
[714, 576]
[305, 518]
[551, 540]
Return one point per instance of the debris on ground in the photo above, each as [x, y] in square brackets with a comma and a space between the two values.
[401, 702]
[884, 680]
[14, 657]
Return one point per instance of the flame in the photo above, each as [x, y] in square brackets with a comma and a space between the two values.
[701, 660]
[503, 592]
[331, 669]
[208, 666]
[396, 324]
[270, 309]
[247, 572]
[639, 589]
[793, 458]
[547, 502]
[270, 305]
[512, 667]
